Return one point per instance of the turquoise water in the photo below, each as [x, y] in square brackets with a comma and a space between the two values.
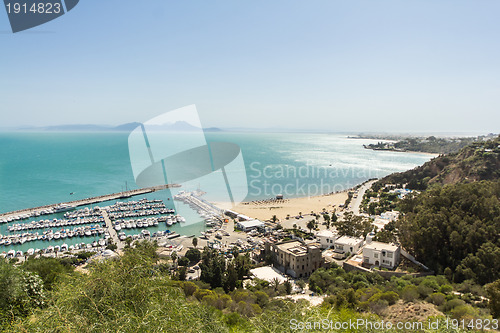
[44, 168]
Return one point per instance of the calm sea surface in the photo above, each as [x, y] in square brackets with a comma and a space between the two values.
[44, 168]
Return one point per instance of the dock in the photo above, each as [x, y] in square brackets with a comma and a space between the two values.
[111, 230]
[89, 201]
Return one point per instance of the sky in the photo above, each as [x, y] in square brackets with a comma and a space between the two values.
[326, 65]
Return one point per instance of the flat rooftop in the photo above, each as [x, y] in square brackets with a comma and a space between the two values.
[374, 245]
[294, 247]
[348, 240]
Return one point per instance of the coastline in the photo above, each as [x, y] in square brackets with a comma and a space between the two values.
[265, 209]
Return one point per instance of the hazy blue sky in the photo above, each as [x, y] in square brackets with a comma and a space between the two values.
[330, 65]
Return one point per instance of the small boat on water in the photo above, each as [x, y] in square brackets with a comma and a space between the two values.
[64, 247]
[31, 252]
[146, 233]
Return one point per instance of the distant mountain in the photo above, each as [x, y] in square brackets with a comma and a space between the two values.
[180, 126]
[475, 162]
[126, 127]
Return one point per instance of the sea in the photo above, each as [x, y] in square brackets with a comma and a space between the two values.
[41, 168]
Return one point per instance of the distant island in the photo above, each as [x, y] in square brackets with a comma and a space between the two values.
[179, 126]
[431, 144]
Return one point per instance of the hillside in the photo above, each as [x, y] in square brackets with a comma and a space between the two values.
[475, 162]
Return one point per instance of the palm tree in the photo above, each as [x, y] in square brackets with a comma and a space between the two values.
[310, 225]
[274, 219]
[275, 283]
[173, 256]
[195, 242]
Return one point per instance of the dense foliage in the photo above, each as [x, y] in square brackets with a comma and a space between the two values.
[353, 225]
[430, 144]
[475, 162]
[132, 293]
[454, 230]
[369, 292]
[21, 292]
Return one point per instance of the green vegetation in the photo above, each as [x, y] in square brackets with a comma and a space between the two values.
[475, 162]
[353, 225]
[429, 144]
[369, 292]
[455, 227]
[133, 293]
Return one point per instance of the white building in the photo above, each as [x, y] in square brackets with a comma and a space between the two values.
[381, 254]
[391, 216]
[348, 244]
[249, 225]
[326, 238]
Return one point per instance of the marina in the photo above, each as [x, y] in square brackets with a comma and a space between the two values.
[67, 206]
[94, 228]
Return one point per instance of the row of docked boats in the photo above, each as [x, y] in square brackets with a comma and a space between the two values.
[51, 249]
[54, 223]
[141, 213]
[48, 235]
[132, 224]
[37, 213]
[135, 205]
[147, 234]
[147, 222]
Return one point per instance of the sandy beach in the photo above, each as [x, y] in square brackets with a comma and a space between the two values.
[264, 210]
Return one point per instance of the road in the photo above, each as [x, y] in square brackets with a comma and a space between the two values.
[356, 202]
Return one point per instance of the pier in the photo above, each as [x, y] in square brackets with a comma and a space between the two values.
[111, 230]
[89, 201]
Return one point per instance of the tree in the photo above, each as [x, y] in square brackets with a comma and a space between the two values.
[181, 276]
[456, 227]
[230, 278]
[20, 292]
[275, 284]
[242, 266]
[195, 242]
[493, 290]
[353, 225]
[274, 219]
[111, 245]
[49, 269]
[173, 256]
[183, 261]
[301, 284]
[194, 255]
[288, 287]
[213, 267]
[311, 225]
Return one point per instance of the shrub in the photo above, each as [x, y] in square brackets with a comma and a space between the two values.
[189, 288]
[409, 293]
[194, 255]
[183, 261]
[445, 289]
[437, 298]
